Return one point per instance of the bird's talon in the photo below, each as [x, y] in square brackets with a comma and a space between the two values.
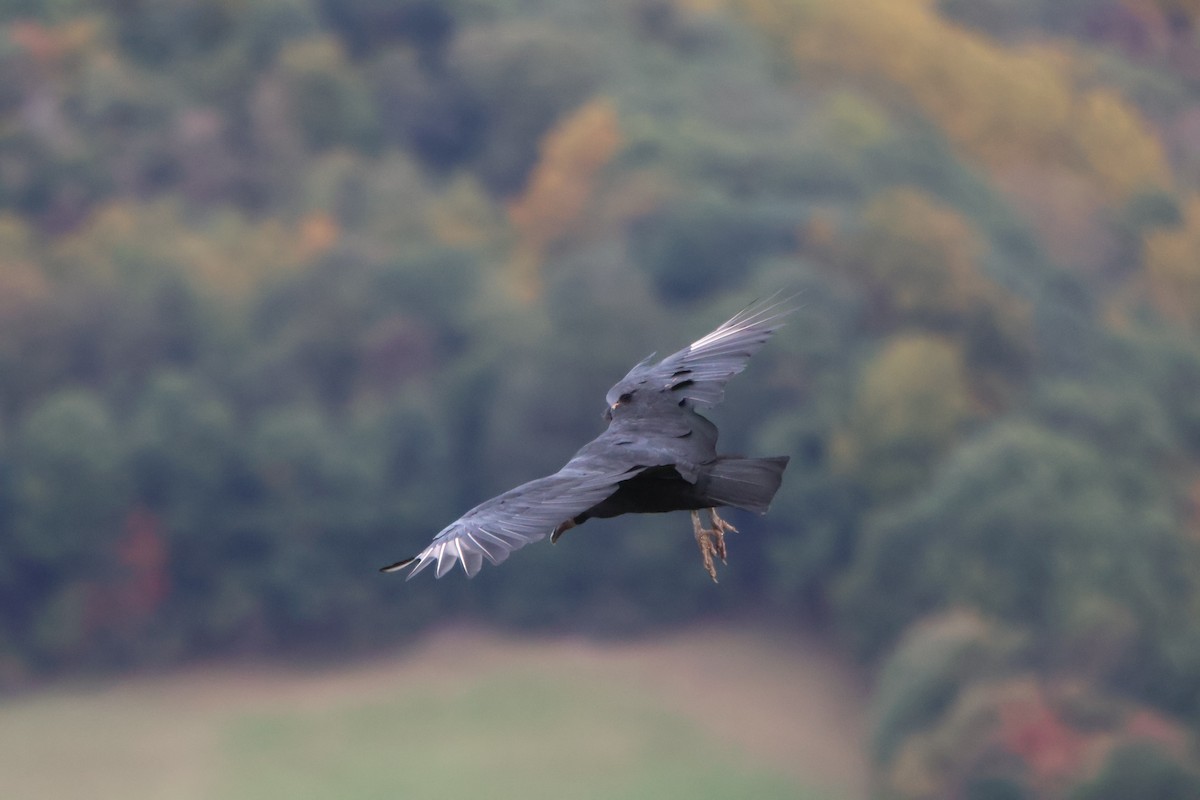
[707, 550]
[704, 538]
[718, 541]
[719, 528]
[720, 524]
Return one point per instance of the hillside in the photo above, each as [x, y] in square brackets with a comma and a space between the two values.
[287, 285]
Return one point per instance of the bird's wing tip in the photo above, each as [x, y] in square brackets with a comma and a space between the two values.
[773, 307]
[399, 565]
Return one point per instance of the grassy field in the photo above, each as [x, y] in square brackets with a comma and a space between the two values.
[704, 714]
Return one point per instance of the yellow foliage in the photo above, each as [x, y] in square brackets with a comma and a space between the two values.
[915, 386]
[916, 257]
[1172, 259]
[22, 283]
[317, 54]
[921, 254]
[1072, 220]
[851, 121]
[633, 195]
[464, 216]
[918, 261]
[319, 232]
[911, 402]
[700, 7]
[561, 187]
[16, 240]
[220, 253]
[1002, 105]
[51, 46]
[820, 232]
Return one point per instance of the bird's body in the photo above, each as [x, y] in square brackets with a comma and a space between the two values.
[658, 454]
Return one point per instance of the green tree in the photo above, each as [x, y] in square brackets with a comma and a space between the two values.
[1018, 524]
[68, 490]
[325, 96]
[909, 408]
[521, 81]
[1140, 771]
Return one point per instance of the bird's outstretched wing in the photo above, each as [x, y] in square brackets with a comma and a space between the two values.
[699, 371]
[496, 527]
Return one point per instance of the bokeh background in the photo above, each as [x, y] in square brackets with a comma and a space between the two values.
[287, 285]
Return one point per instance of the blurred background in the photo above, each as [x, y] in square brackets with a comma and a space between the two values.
[288, 285]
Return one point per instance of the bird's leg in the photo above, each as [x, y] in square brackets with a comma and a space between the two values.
[562, 528]
[705, 538]
[719, 527]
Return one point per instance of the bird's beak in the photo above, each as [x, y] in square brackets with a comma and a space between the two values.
[608, 412]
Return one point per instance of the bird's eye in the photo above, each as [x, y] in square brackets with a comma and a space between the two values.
[625, 398]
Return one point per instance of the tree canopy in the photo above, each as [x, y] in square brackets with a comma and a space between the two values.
[287, 285]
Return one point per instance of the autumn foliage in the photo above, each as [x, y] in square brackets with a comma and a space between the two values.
[554, 207]
[285, 286]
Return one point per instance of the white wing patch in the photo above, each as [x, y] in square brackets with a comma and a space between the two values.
[495, 528]
[699, 371]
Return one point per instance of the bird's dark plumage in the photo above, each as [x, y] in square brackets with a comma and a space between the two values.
[657, 454]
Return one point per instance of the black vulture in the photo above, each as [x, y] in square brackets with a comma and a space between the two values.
[657, 454]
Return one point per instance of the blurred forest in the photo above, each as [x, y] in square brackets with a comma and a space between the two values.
[287, 285]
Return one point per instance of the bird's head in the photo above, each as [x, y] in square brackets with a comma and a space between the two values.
[624, 400]
[628, 391]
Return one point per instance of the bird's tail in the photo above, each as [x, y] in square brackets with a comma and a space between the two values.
[747, 483]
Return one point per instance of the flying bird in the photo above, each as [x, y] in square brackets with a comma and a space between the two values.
[657, 454]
